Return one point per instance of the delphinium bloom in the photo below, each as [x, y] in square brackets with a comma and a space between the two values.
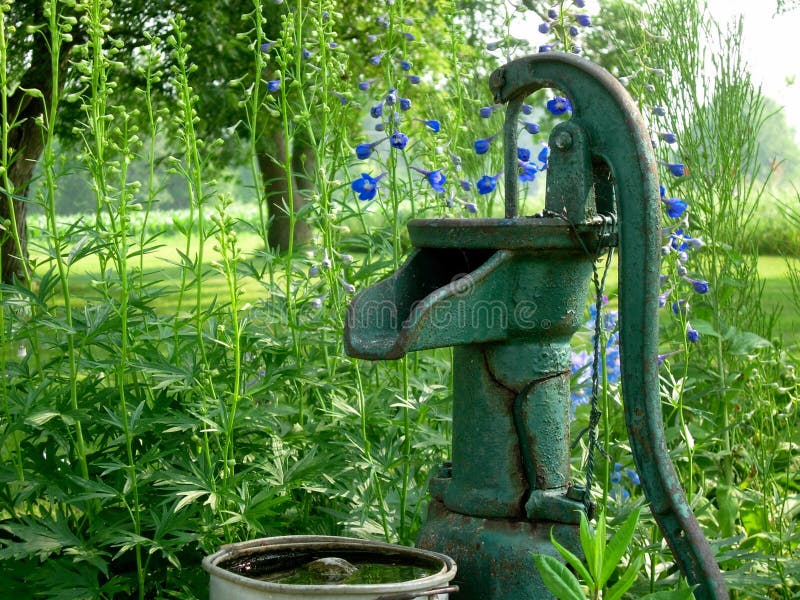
[675, 207]
[398, 140]
[523, 154]
[436, 178]
[619, 486]
[431, 124]
[531, 127]
[668, 137]
[482, 145]
[487, 111]
[364, 150]
[691, 333]
[487, 184]
[559, 105]
[527, 171]
[677, 169]
[366, 186]
[274, 85]
[413, 79]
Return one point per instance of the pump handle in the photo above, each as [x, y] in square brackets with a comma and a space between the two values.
[618, 135]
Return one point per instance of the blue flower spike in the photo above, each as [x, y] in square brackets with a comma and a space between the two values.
[367, 186]
[436, 178]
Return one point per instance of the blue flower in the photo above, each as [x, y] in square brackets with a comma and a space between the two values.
[531, 127]
[675, 207]
[573, 31]
[431, 124]
[379, 126]
[544, 28]
[398, 140]
[265, 47]
[391, 97]
[523, 154]
[405, 104]
[584, 20]
[274, 85]
[486, 111]
[544, 154]
[552, 13]
[409, 36]
[527, 171]
[487, 184]
[364, 151]
[465, 185]
[333, 45]
[616, 474]
[527, 109]
[435, 178]
[372, 38]
[546, 48]
[634, 477]
[471, 207]
[405, 65]
[376, 60]
[668, 137]
[681, 307]
[677, 169]
[365, 85]
[376, 112]
[342, 98]
[579, 3]
[659, 111]
[692, 334]
[482, 145]
[700, 286]
[413, 79]
[559, 105]
[306, 54]
[367, 186]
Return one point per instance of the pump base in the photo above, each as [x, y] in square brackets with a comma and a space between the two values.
[494, 556]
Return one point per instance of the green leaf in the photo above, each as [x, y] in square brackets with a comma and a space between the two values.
[559, 580]
[618, 545]
[628, 578]
[575, 562]
[685, 594]
[587, 543]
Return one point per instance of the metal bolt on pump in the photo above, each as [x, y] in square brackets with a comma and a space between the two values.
[508, 294]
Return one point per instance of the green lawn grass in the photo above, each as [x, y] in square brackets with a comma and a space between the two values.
[161, 267]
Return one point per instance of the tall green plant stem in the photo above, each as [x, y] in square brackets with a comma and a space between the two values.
[122, 233]
[58, 243]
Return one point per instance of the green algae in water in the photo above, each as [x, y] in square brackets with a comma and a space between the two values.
[367, 574]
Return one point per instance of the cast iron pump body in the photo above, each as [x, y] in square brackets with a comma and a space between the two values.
[508, 294]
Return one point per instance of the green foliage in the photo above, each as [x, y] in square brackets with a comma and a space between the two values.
[603, 559]
[170, 384]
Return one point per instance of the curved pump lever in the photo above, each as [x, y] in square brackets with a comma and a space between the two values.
[617, 134]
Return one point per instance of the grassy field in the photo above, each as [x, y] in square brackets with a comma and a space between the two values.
[162, 267]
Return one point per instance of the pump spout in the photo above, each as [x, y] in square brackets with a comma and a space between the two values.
[425, 304]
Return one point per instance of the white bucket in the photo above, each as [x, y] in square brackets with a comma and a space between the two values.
[228, 585]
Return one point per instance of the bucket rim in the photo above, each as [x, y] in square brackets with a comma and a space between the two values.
[444, 575]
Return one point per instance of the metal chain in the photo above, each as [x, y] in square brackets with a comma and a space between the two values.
[595, 413]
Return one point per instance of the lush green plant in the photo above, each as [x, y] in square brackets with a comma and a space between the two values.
[158, 402]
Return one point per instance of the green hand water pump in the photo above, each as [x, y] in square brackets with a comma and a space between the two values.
[508, 294]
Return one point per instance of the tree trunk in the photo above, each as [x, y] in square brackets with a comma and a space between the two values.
[25, 145]
[276, 188]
